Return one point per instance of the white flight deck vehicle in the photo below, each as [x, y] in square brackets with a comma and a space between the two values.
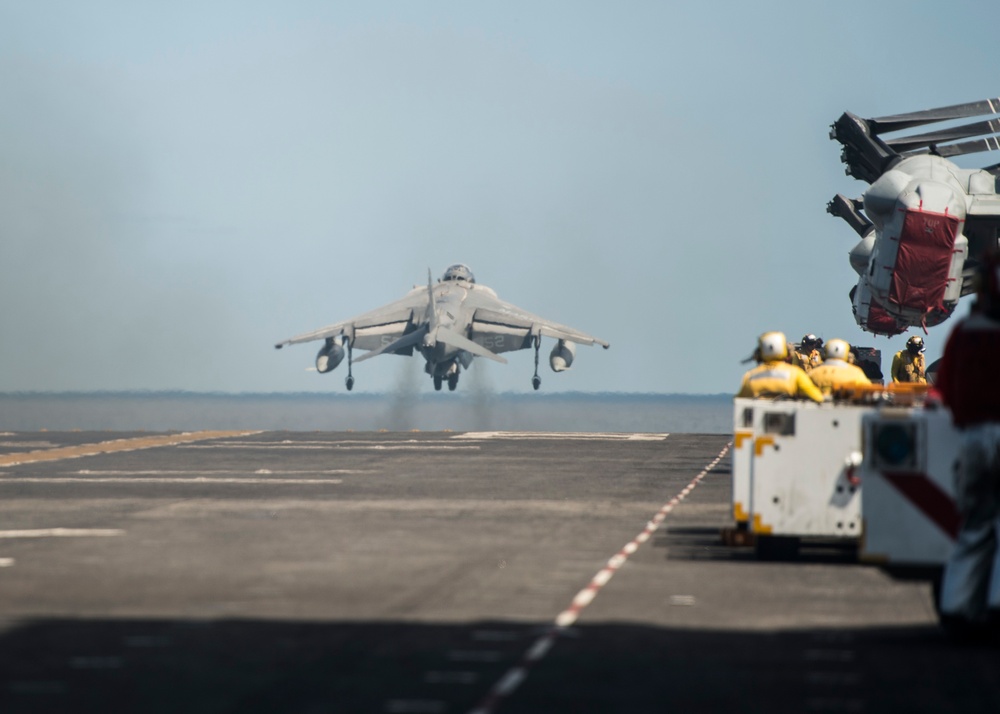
[797, 468]
[910, 517]
[793, 473]
[448, 324]
[743, 446]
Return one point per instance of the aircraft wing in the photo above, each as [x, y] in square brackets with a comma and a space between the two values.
[502, 327]
[376, 328]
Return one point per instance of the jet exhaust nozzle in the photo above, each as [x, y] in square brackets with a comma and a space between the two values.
[561, 357]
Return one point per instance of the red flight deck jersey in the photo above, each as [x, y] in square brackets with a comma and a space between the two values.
[969, 376]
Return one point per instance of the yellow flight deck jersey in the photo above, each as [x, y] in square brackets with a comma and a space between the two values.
[778, 378]
[908, 368]
[837, 373]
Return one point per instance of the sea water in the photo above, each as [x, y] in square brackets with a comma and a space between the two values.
[342, 411]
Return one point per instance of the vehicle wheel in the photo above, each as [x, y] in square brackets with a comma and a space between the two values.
[776, 548]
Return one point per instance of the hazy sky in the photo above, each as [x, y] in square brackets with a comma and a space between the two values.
[184, 184]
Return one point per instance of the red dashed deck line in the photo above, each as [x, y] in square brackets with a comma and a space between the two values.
[518, 673]
[116, 445]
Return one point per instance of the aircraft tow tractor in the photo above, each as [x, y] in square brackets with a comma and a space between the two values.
[798, 468]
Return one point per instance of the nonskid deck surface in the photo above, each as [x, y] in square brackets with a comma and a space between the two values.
[433, 572]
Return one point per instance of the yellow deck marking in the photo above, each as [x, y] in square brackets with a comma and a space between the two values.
[108, 447]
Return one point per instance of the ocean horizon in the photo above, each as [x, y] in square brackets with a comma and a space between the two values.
[363, 411]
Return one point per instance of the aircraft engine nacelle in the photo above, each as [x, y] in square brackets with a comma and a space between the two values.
[561, 357]
[329, 357]
[861, 254]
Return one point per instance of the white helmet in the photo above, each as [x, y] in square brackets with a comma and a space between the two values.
[837, 349]
[772, 346]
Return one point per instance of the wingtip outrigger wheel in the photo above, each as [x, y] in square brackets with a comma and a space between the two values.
[536, 381]
[349, 382]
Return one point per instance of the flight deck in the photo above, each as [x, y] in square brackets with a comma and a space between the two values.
[435, 572]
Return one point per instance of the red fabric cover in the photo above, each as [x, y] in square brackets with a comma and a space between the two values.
[924, 259]
[881, 322]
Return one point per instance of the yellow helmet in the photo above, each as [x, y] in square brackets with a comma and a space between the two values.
[837, 349]
[772, 346]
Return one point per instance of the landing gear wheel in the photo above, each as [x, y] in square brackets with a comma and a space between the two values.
[452, 382]
[437, 382]
[536, 381]
[349, 382]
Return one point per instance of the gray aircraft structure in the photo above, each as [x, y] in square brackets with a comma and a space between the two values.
[924, 222]
[448, 323]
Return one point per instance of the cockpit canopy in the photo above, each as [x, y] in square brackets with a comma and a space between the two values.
[459, 272]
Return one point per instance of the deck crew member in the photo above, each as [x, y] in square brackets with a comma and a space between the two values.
[808, 356]
[967, 383]
[908, 364]
[836, 370]
[774, 377]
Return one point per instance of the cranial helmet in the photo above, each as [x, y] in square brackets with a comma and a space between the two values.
[915, 345]
[772, 346]
[837, 349]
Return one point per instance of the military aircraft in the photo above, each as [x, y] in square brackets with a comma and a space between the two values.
[449, 324]
[924, 222]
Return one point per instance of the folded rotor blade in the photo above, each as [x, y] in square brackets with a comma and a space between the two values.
[990, 143]
[408, 340]
[909, 143]
[896, 122]
[450, 337]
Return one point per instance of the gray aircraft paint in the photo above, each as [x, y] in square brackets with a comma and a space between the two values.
[448, 323]
[910, 174]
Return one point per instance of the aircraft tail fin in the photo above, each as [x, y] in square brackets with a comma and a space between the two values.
[432, 319]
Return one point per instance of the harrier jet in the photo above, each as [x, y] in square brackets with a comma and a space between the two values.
[924, 222]
[449, 324]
